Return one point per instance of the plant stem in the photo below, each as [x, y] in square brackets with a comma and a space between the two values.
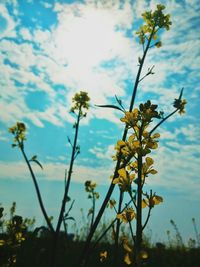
[132, 235]
[116, 252]
[147, 219]
[163, 120]
[93, 210]
[37, 191]
[62, 210]
[109, 227]
[85, 253]
[69, 173]
[139, 212]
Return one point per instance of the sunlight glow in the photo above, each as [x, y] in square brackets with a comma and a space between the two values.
[86, 40]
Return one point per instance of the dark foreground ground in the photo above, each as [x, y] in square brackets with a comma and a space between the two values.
[35, 252]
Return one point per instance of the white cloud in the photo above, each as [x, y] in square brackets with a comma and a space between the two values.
[46, 4]
[178, 169]
[72, 54]
[177, 165]
[102, 153]
[55, 171]
[10, 24]
[25, 33]
[3, 136]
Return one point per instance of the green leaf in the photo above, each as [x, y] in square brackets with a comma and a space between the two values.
[110, 106]
[69, 218]
[34, 157]
[36, 161]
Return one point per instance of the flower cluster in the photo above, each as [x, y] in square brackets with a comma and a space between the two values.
[141, 141]
[90, 188]
[180, 105]
[142, 116]
[147, 168]
[128, 250]
[151, 201]
[19, 132]
[127, 215]
[80, 100]
[15, 234]
[153, 22]
[124, 180]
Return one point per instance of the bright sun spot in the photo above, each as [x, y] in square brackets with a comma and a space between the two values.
[87, 40]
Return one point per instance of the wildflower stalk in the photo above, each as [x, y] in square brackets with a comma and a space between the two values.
[49, 224]
[116, 255]
[93, 195]
[137, 81]
[93, 209]
[138, 241]
[85, 252]
[196, 231]
[19, 130]
[149, 213]
[80, 102]
[109, 227]
[74, 150]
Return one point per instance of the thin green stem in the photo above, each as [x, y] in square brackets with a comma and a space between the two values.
[147, 219]
[109, 227]
[116, 252]
[69, 172]
[37, 191]
[163, 120]
[132, 235]
[93, 210]
[85, 253]
[139, 203]
[62, 210]
[132, 199]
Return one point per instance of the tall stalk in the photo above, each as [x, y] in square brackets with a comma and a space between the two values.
[19, 132]
[85, 253]
[154, 21]
[49, 224]
[81, 102]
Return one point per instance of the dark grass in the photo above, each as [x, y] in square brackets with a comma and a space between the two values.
[35, 252]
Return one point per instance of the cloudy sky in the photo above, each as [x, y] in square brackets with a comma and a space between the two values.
[49, 50]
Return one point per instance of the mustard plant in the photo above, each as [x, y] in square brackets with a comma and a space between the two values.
[19, 133]
[80, 105]
[179, 239]
[93, 195]
[13, 233]
[133, 164]
[197, 234]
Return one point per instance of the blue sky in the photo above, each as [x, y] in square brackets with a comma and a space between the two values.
[49, 50]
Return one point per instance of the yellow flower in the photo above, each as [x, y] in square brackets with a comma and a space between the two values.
[144, 203]
[155, 200]
[180, 105]
[124, 179]
[127, 247]
[19, 237]
[127, 259]
[127, 215]
[147, 167]
[103, 255]
[131, 118]
[2, 242]
[112, 203]
[90, 186]
[143, 255]
[19, 132]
